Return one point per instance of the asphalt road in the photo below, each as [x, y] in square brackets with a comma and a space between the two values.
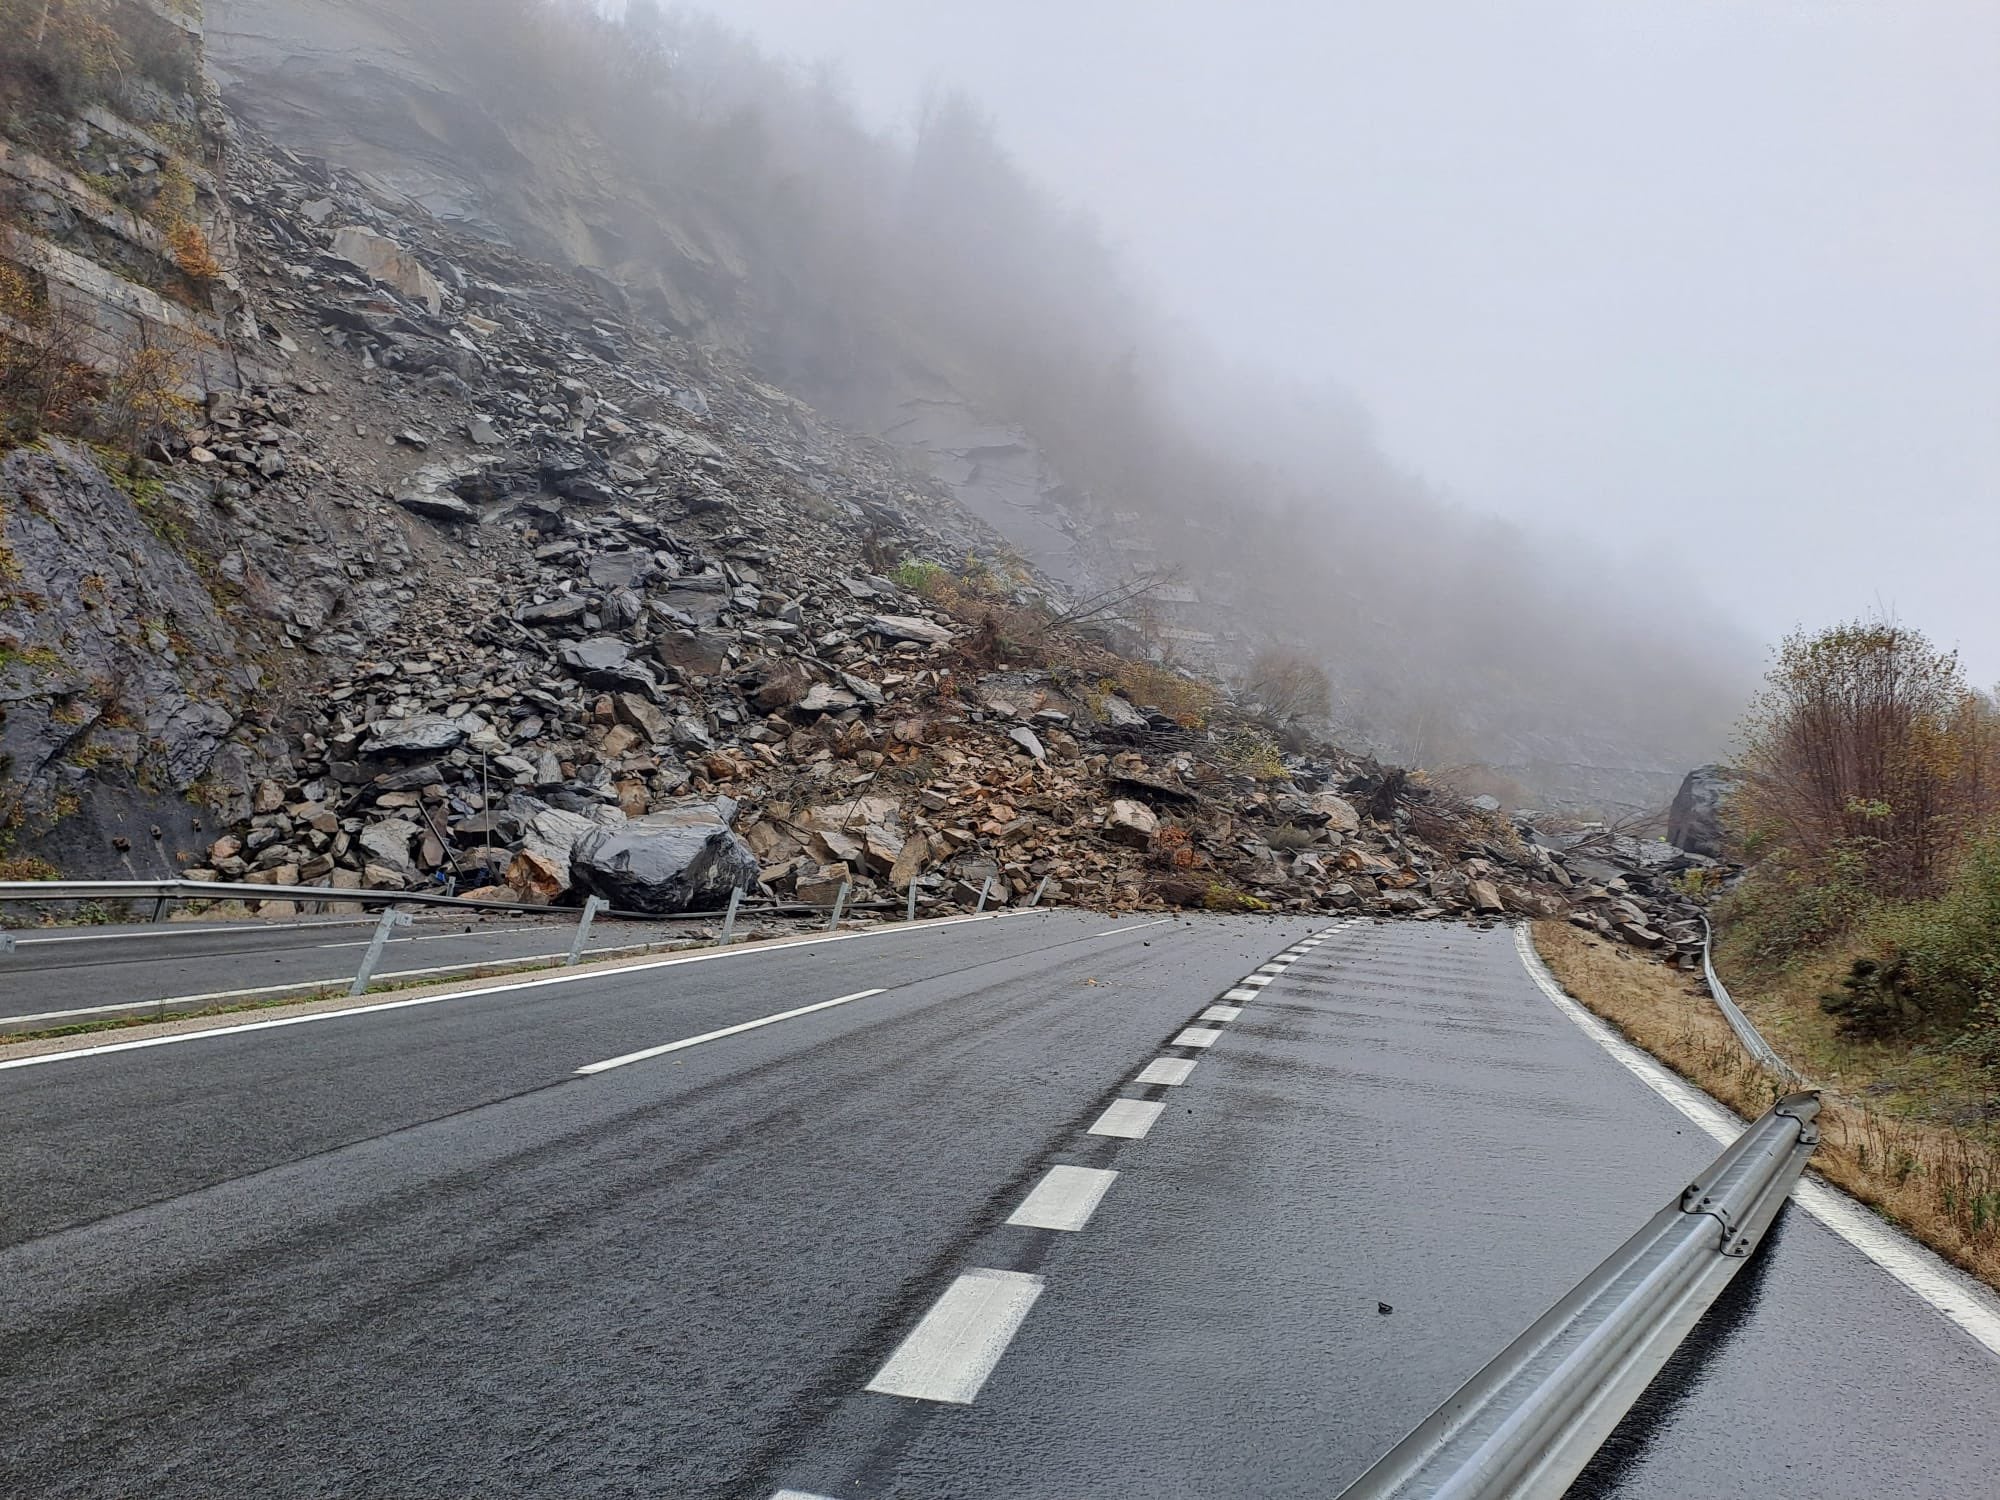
[81, 974]
[418, 1253]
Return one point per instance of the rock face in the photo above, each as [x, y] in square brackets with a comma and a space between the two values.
[1694, 822]
[665, 862]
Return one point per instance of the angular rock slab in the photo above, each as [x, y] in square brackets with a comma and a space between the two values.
[664, 863]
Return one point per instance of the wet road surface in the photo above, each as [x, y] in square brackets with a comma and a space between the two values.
[417, 1253]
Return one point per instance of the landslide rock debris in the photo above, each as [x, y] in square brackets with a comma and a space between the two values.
[492, 586]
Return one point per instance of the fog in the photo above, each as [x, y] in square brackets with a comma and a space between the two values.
[1713, 286]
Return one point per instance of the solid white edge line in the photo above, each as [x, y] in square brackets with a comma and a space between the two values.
[1064, 1199]
[1942, 1286]
[569, 976]
[953, 1349]
[1128, 1119]
[715, 1036]
[1168, 1071]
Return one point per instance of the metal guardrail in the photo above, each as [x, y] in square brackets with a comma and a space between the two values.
[1524, 1427]
[1745, 1029]
[164, 892]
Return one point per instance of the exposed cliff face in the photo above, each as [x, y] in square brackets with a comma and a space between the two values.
[373, 86]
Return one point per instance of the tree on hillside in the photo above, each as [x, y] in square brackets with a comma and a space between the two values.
[1867, 744]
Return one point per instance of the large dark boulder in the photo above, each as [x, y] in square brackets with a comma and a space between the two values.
[681, 860]
[1694, 822]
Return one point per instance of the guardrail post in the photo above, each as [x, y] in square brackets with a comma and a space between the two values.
[591, 907]
[391, 918]
[729, 917]
[839, 905]
[984, 891]
[160, 910]
[910, 908]
[1036, 899]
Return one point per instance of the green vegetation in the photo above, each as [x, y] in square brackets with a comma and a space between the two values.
[1220, 897]
[919, 577]
[1865, 938]
[1870, 808]
[68, 50]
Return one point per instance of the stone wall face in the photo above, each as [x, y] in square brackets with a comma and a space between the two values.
[115, 205]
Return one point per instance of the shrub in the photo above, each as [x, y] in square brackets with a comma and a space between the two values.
[1867, 744]
[1187, 701]
[68, 48]
[919, 577]
[42, 385]
[1288, 685]
[1932, 968]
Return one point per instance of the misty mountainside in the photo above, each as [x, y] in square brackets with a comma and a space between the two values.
[928, 292]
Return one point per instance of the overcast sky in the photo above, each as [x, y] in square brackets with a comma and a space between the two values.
[1715, 283]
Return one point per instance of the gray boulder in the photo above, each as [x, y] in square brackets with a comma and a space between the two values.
[605, 661]
[910, 628]
[681, 859]
[413, 736]
[1694, 822]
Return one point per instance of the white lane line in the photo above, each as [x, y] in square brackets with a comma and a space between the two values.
[1167, 1070]
[1196, 1036]
[1065, 1198]
[1221, 1013]
[1273, 969]
[1945, 1288]
[1241, 993]
[440, 937]
[1128, 1118]
[1136, 926]
[337, 985]
[570, 976]
[948, 1356]
[798, 1495]
[1255, 981]
[715, 1036]
[189, 929]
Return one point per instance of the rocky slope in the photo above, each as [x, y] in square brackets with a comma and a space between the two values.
[471, 574]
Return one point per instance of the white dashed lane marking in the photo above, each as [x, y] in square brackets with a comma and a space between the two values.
[1256, 981]
[1222, 1013]
[1168, 1070]
[1196, 1036]
[1065, 1198]
[715, 1036]
[1239, 993]
[948, 1356]
[1129, 1118]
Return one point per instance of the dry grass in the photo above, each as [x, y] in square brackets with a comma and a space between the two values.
[1938, 1183]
